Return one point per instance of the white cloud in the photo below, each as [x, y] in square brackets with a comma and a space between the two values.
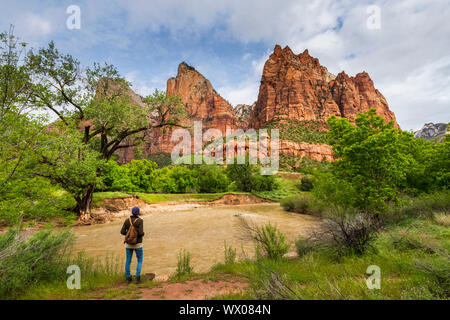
[245, 91]
[402, 57]
[37, 25]
[142, 86]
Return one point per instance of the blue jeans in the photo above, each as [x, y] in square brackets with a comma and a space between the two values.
[139, 256]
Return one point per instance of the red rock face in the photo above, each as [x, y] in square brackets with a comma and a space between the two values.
[293, 87]
[358, 94]
[297, 87]
[202, 102]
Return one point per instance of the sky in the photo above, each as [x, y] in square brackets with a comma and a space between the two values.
[404, 45]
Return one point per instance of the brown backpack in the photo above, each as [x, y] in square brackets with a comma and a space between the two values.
[132, 234]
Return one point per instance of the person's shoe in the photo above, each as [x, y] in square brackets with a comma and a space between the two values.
[129, 280]
[137, 280]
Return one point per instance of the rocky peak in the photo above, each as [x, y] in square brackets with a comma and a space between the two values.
[431, 131]
[243, 111]
[298, 87]
[199, 97]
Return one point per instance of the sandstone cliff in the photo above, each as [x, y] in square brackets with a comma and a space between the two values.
[297, 87]
[293, 87]
[202, 102]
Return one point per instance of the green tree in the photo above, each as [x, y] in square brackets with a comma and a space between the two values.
[143, 174]
[247, 176]
[97, 102]
[373, 157]
[184, 179]
[17, 129]
[211, 178]
[20, 133]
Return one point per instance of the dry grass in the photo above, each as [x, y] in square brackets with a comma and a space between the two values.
[442, 219]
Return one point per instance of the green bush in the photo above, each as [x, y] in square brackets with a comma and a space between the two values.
[34, 198]
[117, 178]
[211, 179]
[263, 183]
[143, 174]
[271, 242]
[185, 180]
[304, 245]
[247, 177]
[304, 203]
[229, 253]
[25, 262]
[183, 263]
[422, 206]
[306, 184]
[348, 232]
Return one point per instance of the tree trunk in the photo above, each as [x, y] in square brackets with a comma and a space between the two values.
[84, 204]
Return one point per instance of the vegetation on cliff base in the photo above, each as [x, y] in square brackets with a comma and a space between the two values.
[301, 131]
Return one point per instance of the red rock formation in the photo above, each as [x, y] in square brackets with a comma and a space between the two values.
[358, 94]
[310, 150]
[297, 87]
[202, 102]
[293, 87]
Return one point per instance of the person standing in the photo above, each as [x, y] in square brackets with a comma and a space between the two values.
[133, 230]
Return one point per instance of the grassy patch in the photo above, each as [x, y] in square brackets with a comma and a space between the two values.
[318, 275]
[301, 131]
[99, 197]
[178, 197]
[160, 197]
[286, 187]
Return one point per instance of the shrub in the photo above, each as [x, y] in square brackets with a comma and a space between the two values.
[241, 175]
[306, 184]
[303, 203]
[184, 263]
[211, 179]
[270, 241]
[305, 245]
[425, 206]
[184, 179]
[229, 253]
[439, 272]
[142, 174]
[34, 199]
[247, 177]
[43, 257]
[116, 178]
[349, 233]
[263, 183]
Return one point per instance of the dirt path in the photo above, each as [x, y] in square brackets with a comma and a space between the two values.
[198, 289]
